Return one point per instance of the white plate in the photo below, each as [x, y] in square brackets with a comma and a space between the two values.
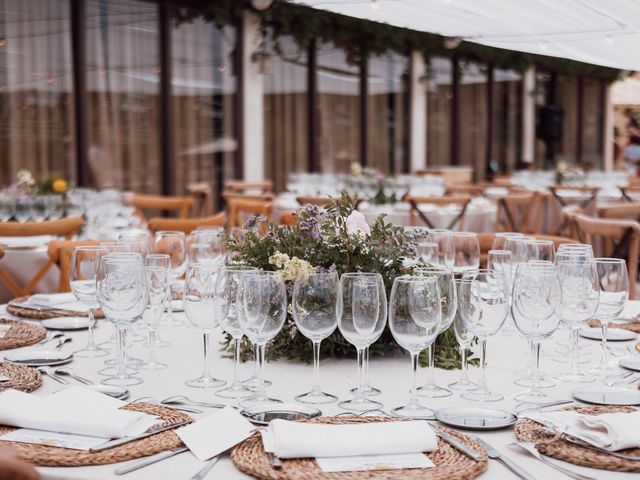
[607, 395]
[66, 323]
[631, 363]
[613, 334]
[39, 358]
[263, 414]
[475, 418]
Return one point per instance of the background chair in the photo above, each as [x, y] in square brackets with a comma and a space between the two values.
[181, 205]
[186, 225]
[623, 211]
[288, 218]
[241, 209]
[249, 188]
[65, 228]
[519, 212]
[417, 215]
[60, 252]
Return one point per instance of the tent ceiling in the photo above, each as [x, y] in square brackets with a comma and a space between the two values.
[600, 32]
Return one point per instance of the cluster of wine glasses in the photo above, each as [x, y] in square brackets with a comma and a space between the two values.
[25, 208]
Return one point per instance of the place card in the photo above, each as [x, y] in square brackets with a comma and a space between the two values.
[53, 439]
[215, 433]
[363, 463]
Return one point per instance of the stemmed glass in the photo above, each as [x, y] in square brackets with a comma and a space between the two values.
[228, 284]
[83, 270]
[22, 208]
[263, 312]
[463, 253]
[200, 253]
[123, 298]
[535, 308]
[500, 239]
[580, 298]
[613, 281]
[539, 250]
[427, 252]
[362, 315]
[441, 237]
[415, 313]
[211, 236]
[7, 207]
[204, 309]
[156, 283]
[160, 260]
[39, 209]
[314, 307]
[464, 337]
[449, 299]
[484, 305]
[173, 244]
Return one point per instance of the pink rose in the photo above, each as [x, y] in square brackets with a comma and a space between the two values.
[356, 223]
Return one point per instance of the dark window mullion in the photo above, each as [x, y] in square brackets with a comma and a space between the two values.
[78, 29]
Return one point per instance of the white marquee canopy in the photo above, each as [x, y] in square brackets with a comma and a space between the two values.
[600, 32]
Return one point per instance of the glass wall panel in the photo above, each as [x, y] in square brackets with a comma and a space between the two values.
[203, 91]
[472, 120]
[338, 113]
[387, 92]
[567, 98]
[286, 146]
[506, 122]
[592, 123]
[439, 98]
[36, 89]
[123, 82]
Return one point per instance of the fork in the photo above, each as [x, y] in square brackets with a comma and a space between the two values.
[531, 448]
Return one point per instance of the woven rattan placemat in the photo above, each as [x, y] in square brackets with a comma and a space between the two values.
[64, 457]
[20, 334]
[22, 377]
[631, 326]
[250, 458]
[553, 446]
[16, 308]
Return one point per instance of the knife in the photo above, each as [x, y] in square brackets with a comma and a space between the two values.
[150, 461]
[458, 445]
[121, 441]
[42, 308]
[506, 461]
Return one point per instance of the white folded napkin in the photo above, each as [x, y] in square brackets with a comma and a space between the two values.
[65, 301]
[75, 410]
[303, 440]
[611, 431]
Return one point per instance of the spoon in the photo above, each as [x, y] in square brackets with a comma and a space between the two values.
[51, 374]
[61, 342]
[538, 406]
[154, 401]
[72, 374]
[184, 400]
[113, 391]
[50, 336]
[531, 448]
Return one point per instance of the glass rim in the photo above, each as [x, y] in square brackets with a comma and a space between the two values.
[169, 232]
[464, 234]
[238, 268]
[361, 274]
[538, 241]
[414, 278]
[89, 248]
[437, 269]
[502, 251]
[603, 260]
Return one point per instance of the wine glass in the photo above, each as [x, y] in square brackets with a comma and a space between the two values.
[518, 248]
[263, 312]
[7, 207]
[22, 208]
[449, 298]
[535, 308]
[200, 253]
[82, 272]
[500, 239]
[204, 309]
[313, 304]
[484, 306]
[464, 252]
[580, 298]
[362, 315]
[156, 284]
[464, 337]
[160, 260]
[228, 284]
[415, 314]
[173, 244]
[122, 296]
[441, 237]
[613, 280]
[539, 250]
[211, 236]
[427, 252]
[55, 207]
[39, 209]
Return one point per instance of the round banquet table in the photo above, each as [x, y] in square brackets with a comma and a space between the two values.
[506, 352]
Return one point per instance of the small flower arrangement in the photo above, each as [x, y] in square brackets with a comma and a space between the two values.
[333, 237]
[372, 184]
[54, 184]
[566, 173]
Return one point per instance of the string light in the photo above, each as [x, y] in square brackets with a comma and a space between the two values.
[542, 45]
[375, 4]
[51, 79]
[609, 39]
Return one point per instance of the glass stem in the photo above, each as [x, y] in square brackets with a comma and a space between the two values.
[605, 353]
[361, 386]
[413, 396]
[431, 353]
[574, 351]
[91, 342]
[260, 389]
[152, 345]
[535, 389]
[256, 364]
[206, 337]
[464, 364]
[122, 371]
[236, 360]
[482, 384]
[529, 357]
[365, 368]
[316, 367]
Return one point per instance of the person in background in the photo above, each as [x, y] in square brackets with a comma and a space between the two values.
[632, 154]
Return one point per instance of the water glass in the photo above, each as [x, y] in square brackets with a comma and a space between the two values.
[500, 239]
[39, 209]
[427, 252]
[200, 253]
[464, 252]
[23, 209]
[156, 284]
[539, 250]
[55, 207]
[415, 314]
[464, 337]
[173, 243]
[314, 306]
[442, 238]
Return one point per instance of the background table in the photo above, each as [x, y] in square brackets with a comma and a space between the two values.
[506, 352]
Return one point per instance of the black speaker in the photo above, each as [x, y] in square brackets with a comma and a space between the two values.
[550, 123]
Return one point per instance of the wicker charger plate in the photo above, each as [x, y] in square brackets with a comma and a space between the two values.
[631, 326]
[250, 458]
[20, 334]
[22, 377]
[14, 308]
[64, 457]
[551, 445]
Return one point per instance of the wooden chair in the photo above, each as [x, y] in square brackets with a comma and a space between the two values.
[521, 212]
[586, 191]
[470, 190]
[623, 211]
[631, 193]
[181, 205]
[319, 201]
[65, 228]
[186, 225]
[1, 251]
[288, 218]
[240, 209]
[60, 252]
[416, 213]
[249, 188]
[203, 199]
[618, 239]
[568, 215]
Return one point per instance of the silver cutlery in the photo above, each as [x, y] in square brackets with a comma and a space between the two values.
[67, 371]
[149, 461]
[184, 400]
[458, 445]
[50, 337]
[538, 406]
[49, 372]
[207, 468]
[156, 402]
[583, 443]
[506, 461]
[531, 448]
[276, 461]
[122, 441]
[61, 341]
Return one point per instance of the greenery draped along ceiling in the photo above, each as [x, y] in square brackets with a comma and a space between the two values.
[362, 38]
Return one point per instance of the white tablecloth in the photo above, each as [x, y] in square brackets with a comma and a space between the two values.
[506, 352]
[21, 265]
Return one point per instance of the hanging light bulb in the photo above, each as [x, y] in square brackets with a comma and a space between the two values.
[375, 4]
[609, 39]
[542, 45]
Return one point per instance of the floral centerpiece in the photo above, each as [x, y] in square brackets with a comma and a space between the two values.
[332, 237]
[53, 184]
[567, 174]
[371, 183]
